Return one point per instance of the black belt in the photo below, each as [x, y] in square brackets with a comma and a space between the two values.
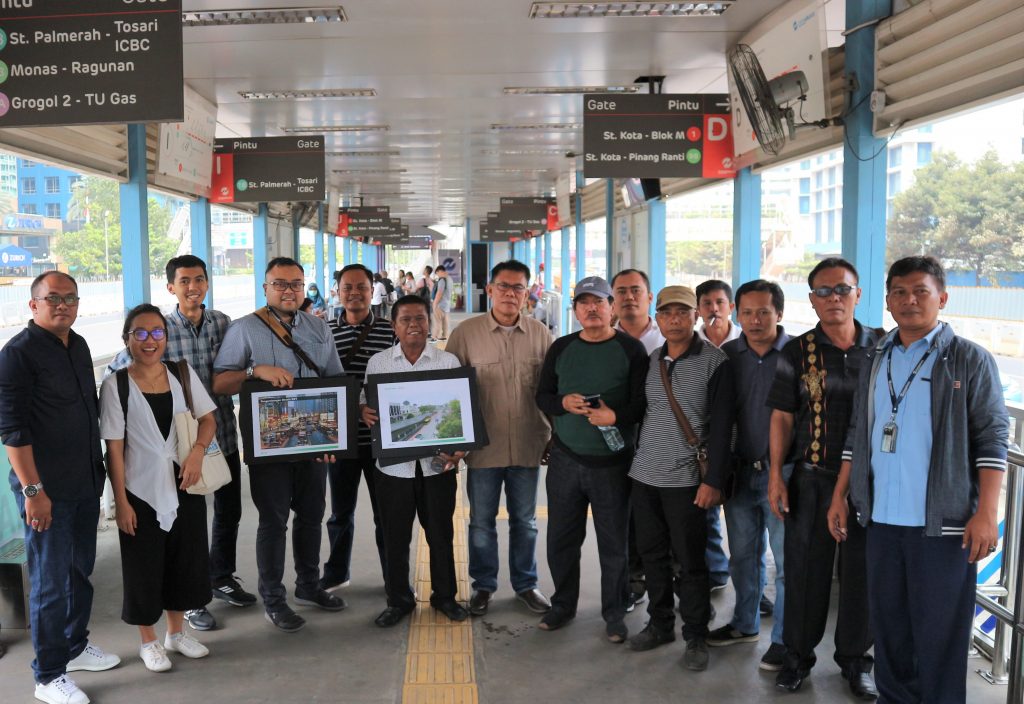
[757, 465]
[818, 468]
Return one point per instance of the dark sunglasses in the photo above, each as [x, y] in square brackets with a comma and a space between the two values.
[826, 291]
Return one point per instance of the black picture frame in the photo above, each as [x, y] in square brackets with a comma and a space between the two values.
[256, 394]
[457, 384]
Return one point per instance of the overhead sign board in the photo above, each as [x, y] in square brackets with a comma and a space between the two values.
[364, 221]
[267, 169]
[185, 147]
[657, 136]
[77, 62]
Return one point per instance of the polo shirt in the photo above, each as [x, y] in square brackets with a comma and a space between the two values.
[734, 332]
[250, 342]
[754, 375]
[380, 337]
[651, 338]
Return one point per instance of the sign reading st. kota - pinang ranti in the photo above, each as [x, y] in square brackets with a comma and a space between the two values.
[266, 169]
[657, 136]
[76, 62]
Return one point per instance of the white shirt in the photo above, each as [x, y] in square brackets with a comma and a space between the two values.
[393, 360]
[379, 293]
[149, 457]
[651, 338]
[734, 332]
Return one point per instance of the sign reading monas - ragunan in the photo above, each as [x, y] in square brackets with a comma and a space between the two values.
[268, 169]
[75, 62]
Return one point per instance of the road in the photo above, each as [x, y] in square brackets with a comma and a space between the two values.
[318, 438]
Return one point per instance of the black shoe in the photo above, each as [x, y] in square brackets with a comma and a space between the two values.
[650, 638]
[766, 607]
[201, 619]
[862, 684]
[790, 678]
[696, 656]
[555, 619]
[535, 601]
[286, 619]
[329, 583]
[450, 608]
[634, 599]
[323, 600]
[479, 602]
[231, 591]
[391, 616]
[616, 631]
[774, 658]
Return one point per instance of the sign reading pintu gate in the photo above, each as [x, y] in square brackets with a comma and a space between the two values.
[364, 221]
[76, 62]
[657, 136]
[267, 169]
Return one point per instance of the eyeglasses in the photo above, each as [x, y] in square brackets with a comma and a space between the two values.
[55, 300]
[826, 291]
[505, 288]
[142, 335]
[287, 285]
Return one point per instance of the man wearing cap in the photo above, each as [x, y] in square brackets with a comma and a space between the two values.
[591, 385]
[670, 492]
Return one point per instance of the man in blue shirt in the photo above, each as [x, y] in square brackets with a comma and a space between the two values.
[924, 462]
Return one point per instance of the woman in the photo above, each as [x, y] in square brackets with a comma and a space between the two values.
[164, 554]
[409, 286]
[318, 307]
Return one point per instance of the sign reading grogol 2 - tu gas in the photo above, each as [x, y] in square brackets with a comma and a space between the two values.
[657, 136]
[74, 62]
[266, 169]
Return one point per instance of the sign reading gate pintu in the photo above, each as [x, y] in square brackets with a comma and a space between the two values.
[657, 136]
[267, 169]
[75, 62]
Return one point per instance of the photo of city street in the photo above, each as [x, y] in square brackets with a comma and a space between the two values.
[427, 421]
[298, 421]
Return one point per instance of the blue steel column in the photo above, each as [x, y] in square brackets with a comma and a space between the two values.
[656, 258]
[202, 247]
[746, 228]
[566, 278]
[864, 164]
[609, 227]
[259, 251]
[135, 222]
[296, 226]
[581, 230]
[547, 259]
[467, 283]
[332, 257]
[538, 252]
[318, 253]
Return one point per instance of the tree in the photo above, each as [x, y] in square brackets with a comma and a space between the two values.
[969, 216]
[705, 257]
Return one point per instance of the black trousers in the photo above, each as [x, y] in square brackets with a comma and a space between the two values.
[571, 488]
[343, 478]
[227, 512]
[921, 591]
[400, 501]
[637, 583]
[277, 490]
[164, 570]
[669, 525]
[810, 553]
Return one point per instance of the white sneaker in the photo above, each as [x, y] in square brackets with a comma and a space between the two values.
[93, 659]
[154, 657]
[62, 690]
[186, 645]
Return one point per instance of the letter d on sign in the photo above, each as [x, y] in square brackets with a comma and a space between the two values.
[717, 129]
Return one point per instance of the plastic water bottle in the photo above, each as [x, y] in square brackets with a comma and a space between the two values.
[612, 437]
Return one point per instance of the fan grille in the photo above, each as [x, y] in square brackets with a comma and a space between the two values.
[756, 96]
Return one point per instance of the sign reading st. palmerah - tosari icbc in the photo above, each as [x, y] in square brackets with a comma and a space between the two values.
[76, 62]
[267, 169]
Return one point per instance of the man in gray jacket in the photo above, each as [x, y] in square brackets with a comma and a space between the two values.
[924, 461]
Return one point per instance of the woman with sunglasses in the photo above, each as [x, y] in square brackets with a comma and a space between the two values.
[164, 555]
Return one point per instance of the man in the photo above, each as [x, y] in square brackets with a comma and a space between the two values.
[507, 348]
[358, 335]
[754, 356]
[670, 493]
[442, 303]
[925, 458]
[253, 349]
[632, 299]
[50, 429]
[389, 288]
[812, 401]
[422, 487]
[591, 385]
[714, 299]
[195, 335]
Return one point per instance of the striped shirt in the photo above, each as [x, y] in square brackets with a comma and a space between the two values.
[198, 346]
[702, 383]
[381, 337]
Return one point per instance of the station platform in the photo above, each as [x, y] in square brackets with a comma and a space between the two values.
[500, 658]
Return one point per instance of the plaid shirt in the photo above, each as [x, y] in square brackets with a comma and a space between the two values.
[199, 348]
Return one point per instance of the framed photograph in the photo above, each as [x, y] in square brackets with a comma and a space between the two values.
[423, 413]
[313, 418]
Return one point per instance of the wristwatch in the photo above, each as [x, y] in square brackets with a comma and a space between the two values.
[250, 372]
[31, 490]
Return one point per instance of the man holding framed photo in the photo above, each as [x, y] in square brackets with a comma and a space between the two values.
[423, 487]
[278, 344]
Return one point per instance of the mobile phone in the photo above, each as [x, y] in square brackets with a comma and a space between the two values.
[593, 400]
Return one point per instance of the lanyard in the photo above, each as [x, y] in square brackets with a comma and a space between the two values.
[896, 400]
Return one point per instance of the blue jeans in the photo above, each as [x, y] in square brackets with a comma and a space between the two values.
[484, 488]
[60, 561]
[747, 515]
[718, 561]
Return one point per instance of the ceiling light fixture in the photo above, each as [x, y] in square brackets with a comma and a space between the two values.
[539, 127]
[567, 90]
[509, 170]
[367, 153]
[267, 15]
[308, 94]
[522, 152]
[336, 128]
[577, 10]
[370, 171]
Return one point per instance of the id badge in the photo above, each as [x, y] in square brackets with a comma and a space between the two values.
[889, 437]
